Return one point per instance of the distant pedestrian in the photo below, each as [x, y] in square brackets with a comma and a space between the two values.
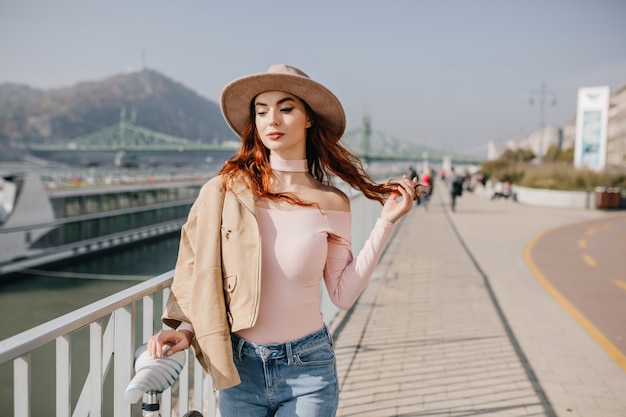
[504, 191]
[411, 173]
[426, 187]
[456, 187]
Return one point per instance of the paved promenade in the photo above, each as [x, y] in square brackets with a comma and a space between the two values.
[455, 324]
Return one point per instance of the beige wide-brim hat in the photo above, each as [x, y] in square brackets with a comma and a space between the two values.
[239, 93]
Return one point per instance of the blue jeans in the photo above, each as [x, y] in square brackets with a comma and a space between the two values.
[297, 378]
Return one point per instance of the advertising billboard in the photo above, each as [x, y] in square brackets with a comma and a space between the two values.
[592, 119]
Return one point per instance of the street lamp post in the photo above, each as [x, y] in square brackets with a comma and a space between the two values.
[542, 103]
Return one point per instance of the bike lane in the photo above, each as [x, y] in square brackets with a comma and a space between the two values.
[583, 267]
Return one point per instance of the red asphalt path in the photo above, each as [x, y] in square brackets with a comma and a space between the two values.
[585, 263]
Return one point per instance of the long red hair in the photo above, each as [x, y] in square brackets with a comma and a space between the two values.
[325, 157]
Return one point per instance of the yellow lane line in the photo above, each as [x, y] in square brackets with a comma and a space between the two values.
[589, 260]
[591, 231]
[620, 283]
[610, 349]
[606, 226]
[582, 243]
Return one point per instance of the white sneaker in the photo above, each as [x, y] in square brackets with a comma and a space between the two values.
[153, 374]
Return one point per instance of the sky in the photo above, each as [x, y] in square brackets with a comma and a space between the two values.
[450, 75]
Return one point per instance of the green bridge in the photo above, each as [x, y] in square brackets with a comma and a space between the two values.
[126, 136]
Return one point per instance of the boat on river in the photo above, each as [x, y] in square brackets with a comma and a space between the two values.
[40, 224]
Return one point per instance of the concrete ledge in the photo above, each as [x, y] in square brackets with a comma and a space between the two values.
[554, 198]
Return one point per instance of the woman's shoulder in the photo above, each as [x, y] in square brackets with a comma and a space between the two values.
[332, 198]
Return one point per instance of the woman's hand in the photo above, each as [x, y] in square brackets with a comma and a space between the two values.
[396, 207]
[176, 340]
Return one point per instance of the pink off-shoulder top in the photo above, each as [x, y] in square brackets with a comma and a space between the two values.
[300, 247]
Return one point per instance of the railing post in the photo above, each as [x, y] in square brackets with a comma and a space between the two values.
[198, 389]
[183, 385]
[21, 386]
[166, 403]
[148, 317]
[166, 295]
[63, 376]
[124, 355]
[95, 368]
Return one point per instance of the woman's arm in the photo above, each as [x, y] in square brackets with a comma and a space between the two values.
[345, 276]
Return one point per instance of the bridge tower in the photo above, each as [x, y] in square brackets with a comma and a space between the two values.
[366, 139]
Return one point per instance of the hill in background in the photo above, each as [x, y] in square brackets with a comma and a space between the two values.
[33, 116]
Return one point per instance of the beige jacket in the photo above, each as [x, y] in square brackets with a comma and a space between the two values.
[217, 280]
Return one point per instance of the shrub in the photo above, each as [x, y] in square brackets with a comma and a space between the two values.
[554, 175]
[519, 155]
[566, 155]
[504, 170]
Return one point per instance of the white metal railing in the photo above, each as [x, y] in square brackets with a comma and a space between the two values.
[112, 328]
[113, 324]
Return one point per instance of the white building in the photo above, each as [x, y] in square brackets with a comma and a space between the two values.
[539, 141]
[616, 132]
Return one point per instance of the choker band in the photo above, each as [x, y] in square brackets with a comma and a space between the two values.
[289, 165]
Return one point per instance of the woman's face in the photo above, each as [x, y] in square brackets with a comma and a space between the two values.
[281, 120]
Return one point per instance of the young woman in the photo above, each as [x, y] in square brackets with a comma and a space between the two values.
[260, 238]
